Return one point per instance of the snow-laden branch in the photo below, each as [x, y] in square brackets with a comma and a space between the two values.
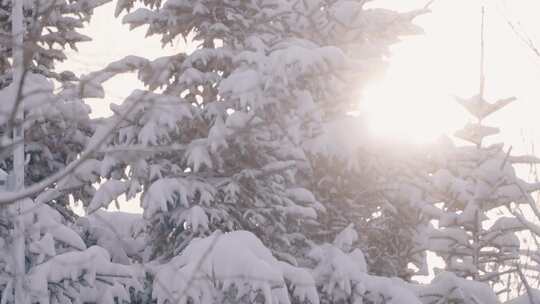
[7, 198]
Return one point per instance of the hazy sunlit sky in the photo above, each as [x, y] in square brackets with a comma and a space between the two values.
[414, 100]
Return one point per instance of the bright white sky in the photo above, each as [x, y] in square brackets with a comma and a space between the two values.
[413, 102]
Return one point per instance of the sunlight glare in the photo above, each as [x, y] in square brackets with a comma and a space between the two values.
[414, 101]
[397, 110]
[417, 106]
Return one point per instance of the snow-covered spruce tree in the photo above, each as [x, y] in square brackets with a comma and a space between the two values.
[211, 151]
[477, 191]
[213, 144]
[58, 266]
[57, 128]
[56, 125]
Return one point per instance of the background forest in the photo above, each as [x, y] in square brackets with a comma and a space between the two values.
[257, 173]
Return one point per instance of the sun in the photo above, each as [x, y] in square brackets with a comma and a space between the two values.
[414, 101]
[410, 107]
